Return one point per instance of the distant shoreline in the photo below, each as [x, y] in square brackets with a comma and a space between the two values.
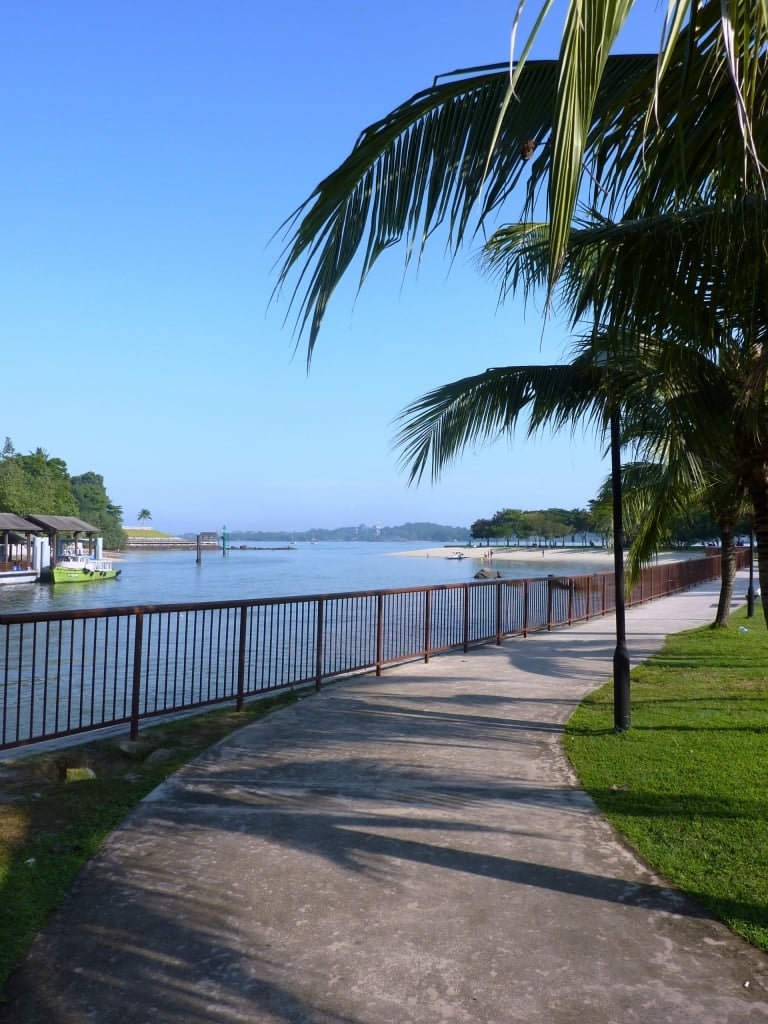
[166, 544]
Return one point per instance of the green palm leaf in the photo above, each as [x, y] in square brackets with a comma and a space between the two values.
[440, 160]
[436, 428]
[702, 125]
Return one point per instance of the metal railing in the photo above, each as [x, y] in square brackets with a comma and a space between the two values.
[63, 673]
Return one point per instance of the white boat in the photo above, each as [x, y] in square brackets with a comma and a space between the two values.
[11, 575]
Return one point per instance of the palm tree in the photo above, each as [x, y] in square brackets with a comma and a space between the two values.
[682, 134]
[655, 496]
[671, 403]
[144, 516]
[676, 275]
[694, 278]
[710, 191]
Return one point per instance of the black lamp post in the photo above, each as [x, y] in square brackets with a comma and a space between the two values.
[751, 589]
[621, 701]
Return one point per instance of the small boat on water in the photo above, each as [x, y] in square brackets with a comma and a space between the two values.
[74, 568]
[10, 574]
[456, 556]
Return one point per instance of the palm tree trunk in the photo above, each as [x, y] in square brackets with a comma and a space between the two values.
[728, 572]
[758, 490]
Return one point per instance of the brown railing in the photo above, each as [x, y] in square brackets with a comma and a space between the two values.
[63, 673]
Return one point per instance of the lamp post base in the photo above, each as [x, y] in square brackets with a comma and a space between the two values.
[622, 715]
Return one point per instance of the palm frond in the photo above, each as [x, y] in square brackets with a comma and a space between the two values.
[590, 31]
[700, 129]
[437, 427]
[701, 270]
[443, 160]
[654, 496]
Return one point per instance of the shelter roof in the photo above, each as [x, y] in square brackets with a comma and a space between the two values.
[63, 524]
[9, 521]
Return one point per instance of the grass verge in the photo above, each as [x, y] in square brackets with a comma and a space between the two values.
[50, 827]
[688, 783]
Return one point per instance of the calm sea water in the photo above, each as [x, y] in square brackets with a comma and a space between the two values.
[170, 577]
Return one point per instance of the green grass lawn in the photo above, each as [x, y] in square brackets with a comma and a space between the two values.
[150, 534]
[688, 783]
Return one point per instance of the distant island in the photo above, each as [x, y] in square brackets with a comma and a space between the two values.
[428, 532]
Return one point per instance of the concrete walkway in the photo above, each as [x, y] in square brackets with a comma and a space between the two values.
[406, 850]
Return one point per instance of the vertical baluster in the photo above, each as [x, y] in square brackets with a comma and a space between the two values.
[136, 690]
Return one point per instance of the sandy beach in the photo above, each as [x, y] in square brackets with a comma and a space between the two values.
[577, 555]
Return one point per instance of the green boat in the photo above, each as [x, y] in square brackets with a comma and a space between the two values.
[82, 569]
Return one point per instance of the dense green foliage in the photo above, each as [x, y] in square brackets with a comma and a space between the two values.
[96, 508]
[547, 526]
[553, 527]
[684, 784]
[34, 484]
[37, 484]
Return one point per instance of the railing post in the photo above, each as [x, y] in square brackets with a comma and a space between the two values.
[379, 633]
[241, 657]
[549, 604]
[466, 617]
[603, 596]
[427, 623]
[498, 613]
[571, 585]
[138, 637]
[319, 645]
[525, 608]
[589, 597]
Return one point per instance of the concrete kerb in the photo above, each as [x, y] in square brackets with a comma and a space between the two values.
[412, 848]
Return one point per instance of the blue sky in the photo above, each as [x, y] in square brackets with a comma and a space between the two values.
[151, 151]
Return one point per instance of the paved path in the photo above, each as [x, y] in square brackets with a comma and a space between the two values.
[407, 850]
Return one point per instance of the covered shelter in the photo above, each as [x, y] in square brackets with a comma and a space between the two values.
[16, 533]
[59, 527]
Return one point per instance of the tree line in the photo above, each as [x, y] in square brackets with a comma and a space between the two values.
[39, 484]
[558, 527]
[544, 527]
